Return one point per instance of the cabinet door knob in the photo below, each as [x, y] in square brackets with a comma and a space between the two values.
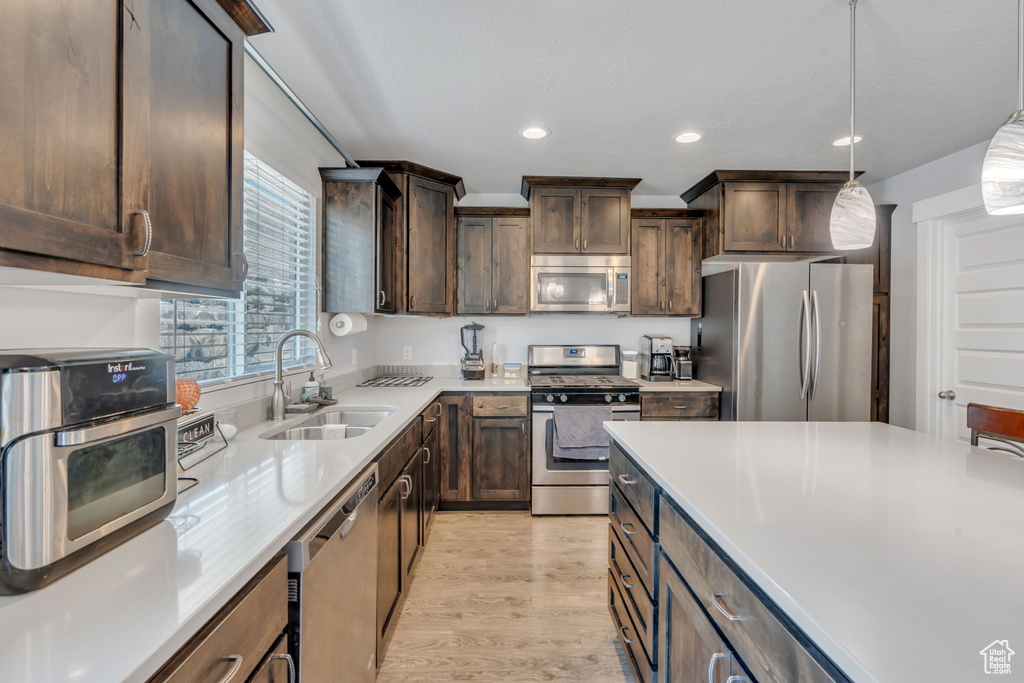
[949, 395]
[147, 242]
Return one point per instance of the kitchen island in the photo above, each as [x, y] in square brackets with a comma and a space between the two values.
[898, 555]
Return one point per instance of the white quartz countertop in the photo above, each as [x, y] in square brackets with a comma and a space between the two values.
[120, 617]
[900, 554]
[677, 385]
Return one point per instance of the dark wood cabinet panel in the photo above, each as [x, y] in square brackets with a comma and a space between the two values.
[455, 438]
[679, 405]
[754, 216]
[510, 273]
[474, 264]
[500, 459]
[555, 214]
[72, 139]
[809, 211]
[604, 224]
[682, 266]
[431, 239]
[412, 515]
[389, 563]
[648, 263]
[195, 145]
[687, 639]
[358, 261]
[431, 484]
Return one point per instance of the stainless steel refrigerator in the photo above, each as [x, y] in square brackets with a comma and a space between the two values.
[789, 341]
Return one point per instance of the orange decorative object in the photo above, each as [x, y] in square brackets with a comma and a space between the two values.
[188, 393]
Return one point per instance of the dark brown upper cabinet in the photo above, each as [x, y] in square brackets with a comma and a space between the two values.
[493, 261]
[666, 262]
[579, 215]
[360, 219]
[425, 255]
[143, 182]
[766, 212]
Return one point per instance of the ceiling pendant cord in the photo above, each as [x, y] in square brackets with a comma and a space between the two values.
[1020, 56]
[853, 80]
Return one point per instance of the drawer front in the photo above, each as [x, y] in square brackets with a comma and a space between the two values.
[638, 489]
[643, 672]
[239, 635]
[501, 406]
[763, 643]
[431, 416]
[679, 405]
[395, 456]
[633, 537]
[634, 595]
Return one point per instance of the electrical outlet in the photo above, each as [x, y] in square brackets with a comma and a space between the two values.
[406, 353]
[355, 357]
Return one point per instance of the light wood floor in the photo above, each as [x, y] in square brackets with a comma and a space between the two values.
[504, 596]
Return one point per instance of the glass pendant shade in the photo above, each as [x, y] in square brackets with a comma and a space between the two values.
[1002, 174]
[853, 218]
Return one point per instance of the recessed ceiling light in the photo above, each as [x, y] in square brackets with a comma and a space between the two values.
[845, 142]
[687, 138]
[535, 133]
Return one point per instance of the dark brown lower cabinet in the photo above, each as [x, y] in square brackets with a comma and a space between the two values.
[431, 483]
[454, 439]
[691, 649]
[501, 459]
[412, 514]
[389, 563]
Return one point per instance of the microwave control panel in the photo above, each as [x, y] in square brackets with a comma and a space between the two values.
[621, 288]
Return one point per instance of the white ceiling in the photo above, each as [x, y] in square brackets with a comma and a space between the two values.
[449, 83]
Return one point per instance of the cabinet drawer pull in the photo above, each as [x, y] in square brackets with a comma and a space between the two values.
[406, 480]
[291, 665]
[625, 639]
[412, 301]
[429, 419]
[737, 679]
[627, 586]
[576, 244]
[487, 304]
[522, 428]
[680, 407]
[711, 665]
[584, 244]
[782, 241]
[625, 479]
[148, 241]
[494, 308]
[427, 459]
[670, 305]
[792, 242]
[439, 409]
[719, 599]
[235, 667]
[623, 525]
[381, 299]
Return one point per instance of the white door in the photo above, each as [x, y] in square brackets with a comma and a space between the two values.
[979, 271]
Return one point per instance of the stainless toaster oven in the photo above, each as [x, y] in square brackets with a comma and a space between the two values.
[88, 455]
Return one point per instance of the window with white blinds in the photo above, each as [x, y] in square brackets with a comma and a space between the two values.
[218, 339]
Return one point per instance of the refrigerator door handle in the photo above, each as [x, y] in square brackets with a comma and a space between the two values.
[804, 344]
[816, 322]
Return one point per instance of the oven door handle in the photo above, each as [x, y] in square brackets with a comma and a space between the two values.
[615, 409]
[78, 437]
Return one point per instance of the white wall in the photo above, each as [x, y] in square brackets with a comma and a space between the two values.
[437, 341]
[949, 173]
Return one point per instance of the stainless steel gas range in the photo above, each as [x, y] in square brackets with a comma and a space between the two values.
[573, 388]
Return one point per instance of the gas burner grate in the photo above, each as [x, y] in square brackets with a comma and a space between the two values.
[397, 381]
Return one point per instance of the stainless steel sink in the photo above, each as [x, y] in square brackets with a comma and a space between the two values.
[360, 420]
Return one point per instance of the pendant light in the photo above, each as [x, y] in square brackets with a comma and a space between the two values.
[853, 215]
[1002, 174]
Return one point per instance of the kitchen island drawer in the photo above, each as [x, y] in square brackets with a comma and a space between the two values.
[634, 538]
[679, 405]
[394, 458]
[751, 623]
[501, 406]
[635, 486]
[430, 416]
[643, 672]
[635, 597]
[239, 636]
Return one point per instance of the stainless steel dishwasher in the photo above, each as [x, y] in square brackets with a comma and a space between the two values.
[332, 589]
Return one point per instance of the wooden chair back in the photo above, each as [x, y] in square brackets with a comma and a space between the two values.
[1001, 425]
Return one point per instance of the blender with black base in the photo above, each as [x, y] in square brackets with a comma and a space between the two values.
[473, 361]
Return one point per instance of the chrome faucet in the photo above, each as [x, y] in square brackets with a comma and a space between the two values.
[278, 402]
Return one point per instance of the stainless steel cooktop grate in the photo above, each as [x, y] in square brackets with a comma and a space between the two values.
[397, 381]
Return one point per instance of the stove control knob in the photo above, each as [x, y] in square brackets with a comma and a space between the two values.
[551, 398]
[622, 398]
[608, 398]
[564, 398]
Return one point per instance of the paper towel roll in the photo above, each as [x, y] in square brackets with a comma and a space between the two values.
[347, 323]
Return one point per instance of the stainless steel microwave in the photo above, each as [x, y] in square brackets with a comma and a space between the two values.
[580, 284]
[88, 455]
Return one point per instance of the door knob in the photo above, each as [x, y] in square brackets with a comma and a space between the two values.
[949, 395]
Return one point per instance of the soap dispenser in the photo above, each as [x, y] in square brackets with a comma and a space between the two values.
[310, 389]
